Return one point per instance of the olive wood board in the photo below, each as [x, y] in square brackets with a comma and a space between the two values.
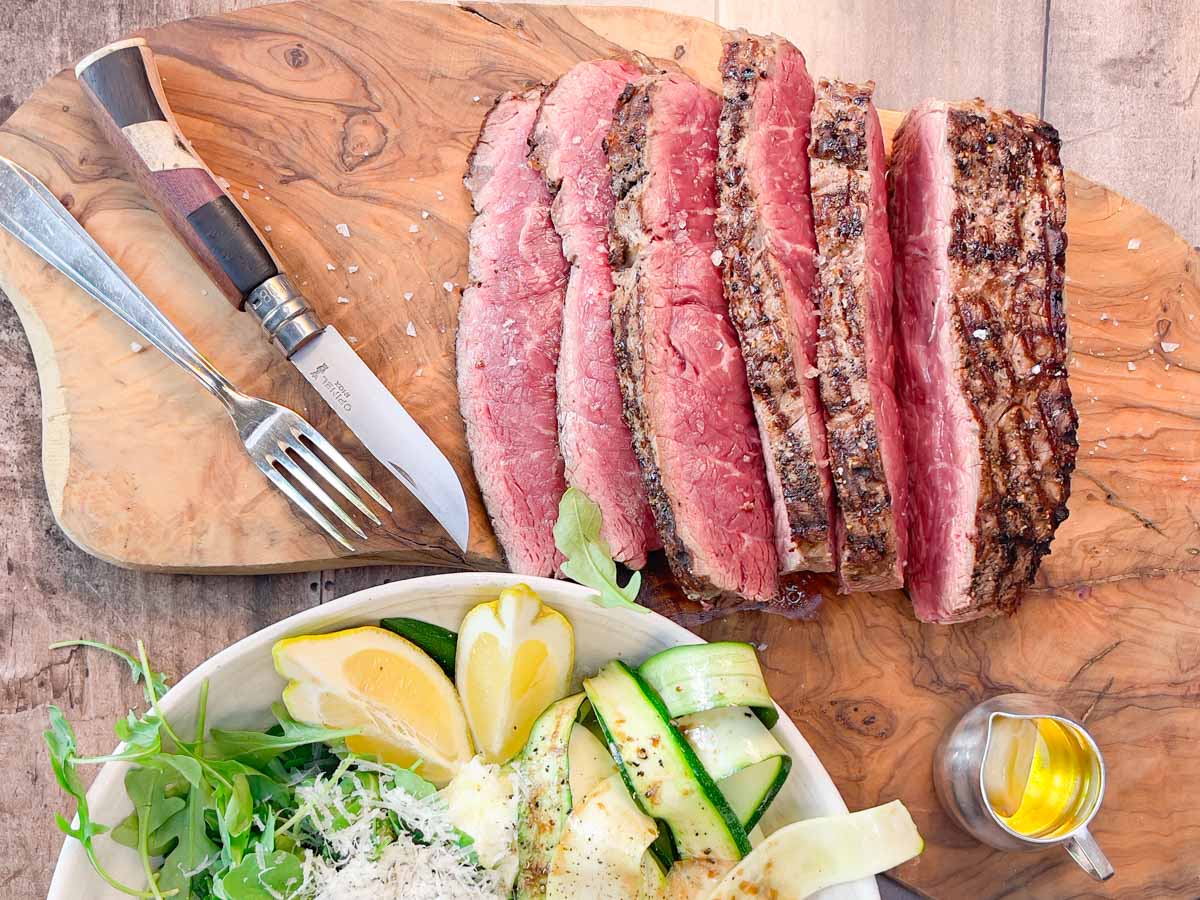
[362, 113]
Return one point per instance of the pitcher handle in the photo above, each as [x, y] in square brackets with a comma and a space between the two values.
[1085, 851]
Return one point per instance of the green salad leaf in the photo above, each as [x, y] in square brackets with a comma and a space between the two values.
[588, 558]
[221, 816]
[257, 748]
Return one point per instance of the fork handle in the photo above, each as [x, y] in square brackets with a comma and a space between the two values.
[122, 83]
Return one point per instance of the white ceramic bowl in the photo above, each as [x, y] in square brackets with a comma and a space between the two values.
[243, 684]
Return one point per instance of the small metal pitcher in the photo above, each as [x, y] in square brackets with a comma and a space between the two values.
[958, 777]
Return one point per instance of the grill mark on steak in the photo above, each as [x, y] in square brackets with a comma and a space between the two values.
[764, 228]
[566, 147]
[508, 338]
[682, 378]
[854, 349]
[1009, 223]
[992, 182]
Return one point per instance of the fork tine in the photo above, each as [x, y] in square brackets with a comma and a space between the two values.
[299, 499]
[297, 472]
[335, 457]
[317, 465]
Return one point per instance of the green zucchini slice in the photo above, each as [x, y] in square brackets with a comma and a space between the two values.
[660, 768]
[694, 677]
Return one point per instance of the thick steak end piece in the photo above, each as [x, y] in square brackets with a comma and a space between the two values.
[978, 213]
[765, 231]
[682, 376]
[855, 352]
[508, 338]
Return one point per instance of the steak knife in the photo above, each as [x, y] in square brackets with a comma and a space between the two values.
[122, 84]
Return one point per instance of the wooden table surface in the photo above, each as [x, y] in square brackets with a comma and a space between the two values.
[1119, 78]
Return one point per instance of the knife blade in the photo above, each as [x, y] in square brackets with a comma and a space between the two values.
[122, 84]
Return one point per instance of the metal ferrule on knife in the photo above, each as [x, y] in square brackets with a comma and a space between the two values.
[284, 314]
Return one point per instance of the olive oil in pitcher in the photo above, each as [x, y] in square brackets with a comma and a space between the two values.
[1041, 778]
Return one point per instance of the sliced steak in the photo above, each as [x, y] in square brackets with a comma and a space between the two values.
[567, 145]
[978, 214]
[683, 379]
[508, 336]
[855, 353]
[765, 230]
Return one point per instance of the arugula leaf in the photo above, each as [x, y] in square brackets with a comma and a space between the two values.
[266, 877]
[146, 788]
[588, 558]
[154, 683]
[60, 740]
[239, 807]
[194, 850]
[161, 827]
[257, 748]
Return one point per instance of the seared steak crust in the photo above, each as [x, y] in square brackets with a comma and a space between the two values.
[681, 374]
[768, 273]
[849, 201]
[979, 212]
[1008, 228]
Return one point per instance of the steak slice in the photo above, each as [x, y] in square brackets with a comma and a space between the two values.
[765, 229]
[855, 352]
[683, 379]
[978, 213]
[567, 145]
[508, 335]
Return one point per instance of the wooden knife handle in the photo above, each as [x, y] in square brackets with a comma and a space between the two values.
[122, 83]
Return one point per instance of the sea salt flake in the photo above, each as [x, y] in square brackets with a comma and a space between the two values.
[408, 295]
[343, 299]
[577, 140]
[981, 333]
[1131, 366]
[1169, 346]
[260, 186]
[717, 257]
[1102, 444]
[245, 195]
[414, 228]
[1103, 317]
[136, 347]
[1036, 370]
[330, 266]
[223, 182]
[424, 214]
[343, 229]
[352, 339]
[448, 286]
[351, 269]
[475, 99]
[1134, 244]
[420, 371]
[411, 330]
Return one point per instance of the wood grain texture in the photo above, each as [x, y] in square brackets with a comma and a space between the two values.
[1112, 629]
[1123, 88]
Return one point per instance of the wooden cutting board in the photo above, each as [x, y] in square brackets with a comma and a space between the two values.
[362, 113]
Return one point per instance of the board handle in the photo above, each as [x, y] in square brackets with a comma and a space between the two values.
[122, 83]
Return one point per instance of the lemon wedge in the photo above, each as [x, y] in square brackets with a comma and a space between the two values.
[515, 658]
[367, 678]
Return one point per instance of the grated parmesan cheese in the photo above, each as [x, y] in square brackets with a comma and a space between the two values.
[436, 869]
